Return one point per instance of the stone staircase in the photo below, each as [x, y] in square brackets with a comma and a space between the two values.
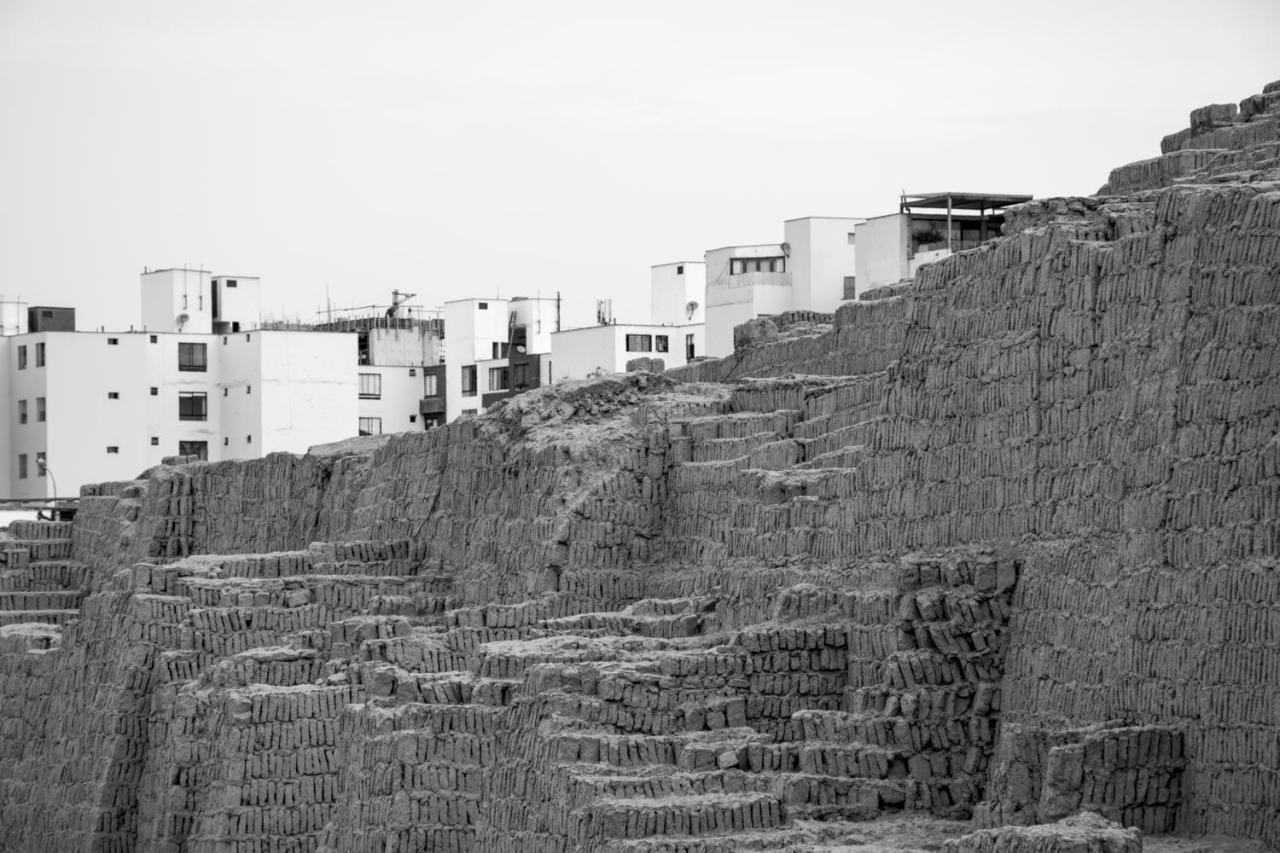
[39, 582]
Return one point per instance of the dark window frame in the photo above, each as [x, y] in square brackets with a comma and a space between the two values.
[192, 411]
[193, 357]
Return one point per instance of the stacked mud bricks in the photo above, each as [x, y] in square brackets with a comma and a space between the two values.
[1001, 543]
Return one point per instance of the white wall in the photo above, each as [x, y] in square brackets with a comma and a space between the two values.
[822, 254]
[239, 394]
[240, 304]
[672, 287]
[402, 389]
[8, 418]
[166, 294]
[309, 389]
[578, 353]
[883, 244]
[734, 299]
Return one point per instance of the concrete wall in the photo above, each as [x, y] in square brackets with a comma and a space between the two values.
[578, 353]
[309, 389]
[883, 247]
[167, 294]
[402, 391]
[239, 304]
[733, 299]
[822, 254]
[240, 395]
[672, 287]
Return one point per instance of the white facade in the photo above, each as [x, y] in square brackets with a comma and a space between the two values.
[475, 330]
[806, 272]
[237, 302]
[678, 293]
[743, 282]
[108, 405]
[821, 249]
[601, 349]
[177, 300]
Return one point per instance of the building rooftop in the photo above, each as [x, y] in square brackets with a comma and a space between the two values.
[961, 201]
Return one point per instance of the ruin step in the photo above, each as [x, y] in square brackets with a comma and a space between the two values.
[45, 575]
[779, 840]
[28, 529]
[42, 549]
[48, 617]
[697, 815]
[41, 600]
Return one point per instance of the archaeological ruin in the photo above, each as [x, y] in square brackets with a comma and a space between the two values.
[987, 562]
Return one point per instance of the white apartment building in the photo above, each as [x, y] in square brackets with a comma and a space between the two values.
[495, 348]
[927, 227]
[201, 378]
[675, 333]
[811, 270]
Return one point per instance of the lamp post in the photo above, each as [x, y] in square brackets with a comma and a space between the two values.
[45, 469]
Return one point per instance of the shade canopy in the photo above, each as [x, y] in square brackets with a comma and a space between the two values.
[962, 201]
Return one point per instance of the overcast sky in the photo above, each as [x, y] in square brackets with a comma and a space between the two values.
[478, 149]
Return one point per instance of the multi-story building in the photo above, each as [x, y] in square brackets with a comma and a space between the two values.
[495, 348]
[811, 270]
[201, 378]
[674, 334]
[927, 227]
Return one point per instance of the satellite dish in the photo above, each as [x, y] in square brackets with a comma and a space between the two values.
[182, 320]
[691, 307]
[786, 249]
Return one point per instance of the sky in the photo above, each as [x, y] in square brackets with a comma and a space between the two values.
[341, 150]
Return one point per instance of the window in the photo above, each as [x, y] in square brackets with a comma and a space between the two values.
[501, 349]
[155, 339]
[850, 238]
[113, 342]
[246, 338]
[413, 419]
[226, 391]
[688, 347]
[198, 449]
[155, 441]
[680, 269]
[193, 406]
[370, 386]
[231, 282]
[193, 357]
[155, 392]
[111, 448]
[371, 426]
[413, 371]
[639, 343]
[660, 343]
[22, 411]
[469, 380]
[520, 374]
[113, 395]
[739, 266]
[225, 441]
[22, 357]
[22, 466]
[470, 411]
[430, 385]
[248, 389]
[46, 314]
[497, 379]
[40, 355]
[40, 410]
[483, 306]
[248, 439]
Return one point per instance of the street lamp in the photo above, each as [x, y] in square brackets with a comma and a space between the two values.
[45, 469]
